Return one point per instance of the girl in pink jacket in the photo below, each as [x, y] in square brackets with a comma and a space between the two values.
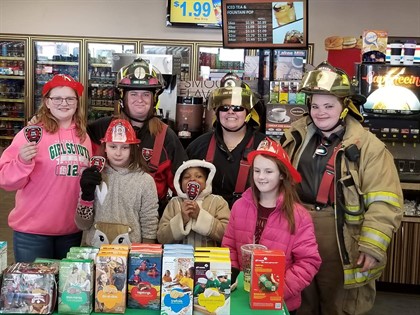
[269, 213]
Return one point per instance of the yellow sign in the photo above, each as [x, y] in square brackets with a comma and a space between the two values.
[196, 11]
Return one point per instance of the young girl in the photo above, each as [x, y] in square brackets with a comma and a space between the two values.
[43, 164]
[196, 216]
[269, 213]
[122, 209]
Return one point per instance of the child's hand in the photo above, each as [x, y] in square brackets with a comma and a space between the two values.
[27, 152]
[195, 209]
[186, 211]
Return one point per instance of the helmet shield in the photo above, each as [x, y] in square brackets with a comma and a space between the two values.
[231, 96]
[323, 81]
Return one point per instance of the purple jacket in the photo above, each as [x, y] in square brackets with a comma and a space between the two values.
[300, 248]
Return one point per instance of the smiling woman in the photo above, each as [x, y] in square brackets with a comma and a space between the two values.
[44, 164]
[234, 135]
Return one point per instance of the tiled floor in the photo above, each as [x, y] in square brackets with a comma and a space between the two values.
[386, 302]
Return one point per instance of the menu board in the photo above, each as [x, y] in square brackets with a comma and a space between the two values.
[264, 24]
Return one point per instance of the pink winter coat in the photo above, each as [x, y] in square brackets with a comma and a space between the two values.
[300, 248]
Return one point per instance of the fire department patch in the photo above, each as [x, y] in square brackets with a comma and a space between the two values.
[193, 189]
[147, 154]
[98, 161]
[33, 133]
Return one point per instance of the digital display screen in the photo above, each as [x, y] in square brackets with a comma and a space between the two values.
[265, 24]
[194, 13]
[390, 89]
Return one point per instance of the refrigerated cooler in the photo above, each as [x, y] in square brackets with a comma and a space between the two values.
[51, 57]
[13, 87]
[100, 89]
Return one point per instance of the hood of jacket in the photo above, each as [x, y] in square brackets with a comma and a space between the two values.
[195, 163]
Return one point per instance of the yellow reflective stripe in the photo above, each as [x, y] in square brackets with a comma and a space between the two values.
[384, 196]
[353, 218]
[375, 237]
[354, 276]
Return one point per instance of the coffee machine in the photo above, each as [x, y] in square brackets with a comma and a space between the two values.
[392, 112]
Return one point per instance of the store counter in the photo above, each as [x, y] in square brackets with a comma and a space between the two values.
[239, 304]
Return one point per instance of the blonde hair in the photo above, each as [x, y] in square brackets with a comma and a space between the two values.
[50, 123]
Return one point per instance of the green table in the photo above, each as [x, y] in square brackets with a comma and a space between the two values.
[239, 304]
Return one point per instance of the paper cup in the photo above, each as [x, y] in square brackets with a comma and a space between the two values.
[246, 251]
[409, 51]
[396, 49]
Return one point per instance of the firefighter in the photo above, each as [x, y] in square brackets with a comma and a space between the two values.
[351, 187]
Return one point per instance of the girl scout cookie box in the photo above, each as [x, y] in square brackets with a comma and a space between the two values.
[29, 288]
[267, 279]
[75, 286]
[144, 277]
[175, 297]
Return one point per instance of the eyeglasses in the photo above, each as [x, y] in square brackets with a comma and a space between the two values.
[322, 149]
[59, 100]
[235, 108]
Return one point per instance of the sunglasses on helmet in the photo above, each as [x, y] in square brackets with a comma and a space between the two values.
[235, 108]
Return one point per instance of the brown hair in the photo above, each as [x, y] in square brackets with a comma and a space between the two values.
[50, 123]
[286, 187]
[155, 125]
[136, 160]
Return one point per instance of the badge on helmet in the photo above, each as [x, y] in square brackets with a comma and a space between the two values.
[120, 131]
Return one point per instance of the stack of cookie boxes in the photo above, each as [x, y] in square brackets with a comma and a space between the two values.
[111, 279]
[212, 281]
[144, 276]
[176, 298]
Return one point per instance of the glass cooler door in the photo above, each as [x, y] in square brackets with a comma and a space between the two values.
[101, 80]
[51, 58]
[13, 87]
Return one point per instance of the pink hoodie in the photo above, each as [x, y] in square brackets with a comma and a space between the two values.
[45, 201]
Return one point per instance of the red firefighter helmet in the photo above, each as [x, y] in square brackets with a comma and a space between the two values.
[63, 80]
[120, 131]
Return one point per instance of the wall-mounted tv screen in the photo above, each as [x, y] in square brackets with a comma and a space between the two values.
[194, 13]
[265, 24]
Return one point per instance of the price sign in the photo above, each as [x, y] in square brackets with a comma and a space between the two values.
[195, 11]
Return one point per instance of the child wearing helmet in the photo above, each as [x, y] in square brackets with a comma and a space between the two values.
[269, 213]
[139, 85]
[234, 135]
[195, 216]
[118, 204]
[43, 164]
[351, 187]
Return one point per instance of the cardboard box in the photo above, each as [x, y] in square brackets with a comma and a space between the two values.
[111, 282]
[176, 298]
[267, 279]
[212, 285]
[281, 116]
[75, 286]
[3, 255]
[374, 46]
[29, 288]
[144, 278]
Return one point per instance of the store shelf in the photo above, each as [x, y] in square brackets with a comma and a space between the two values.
[109, 109]
[11, 118]
[101, 84]
[63, 63]
[410, 186]
[12, 100]
[15, 77]
[100, 65]
[6, 137]
[12, 58]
